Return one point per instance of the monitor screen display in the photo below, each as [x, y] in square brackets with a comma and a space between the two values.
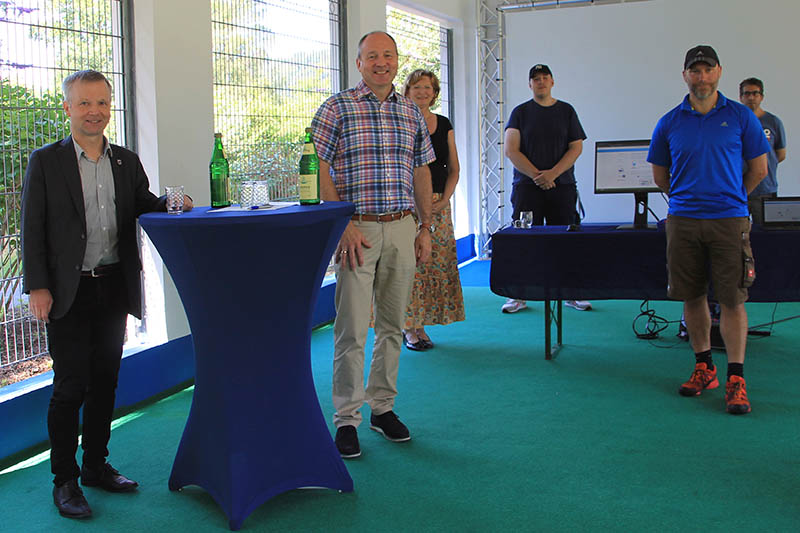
[784, 210]
[621, 166]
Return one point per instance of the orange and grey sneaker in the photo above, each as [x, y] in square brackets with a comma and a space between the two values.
[702, 378]
[736, 396]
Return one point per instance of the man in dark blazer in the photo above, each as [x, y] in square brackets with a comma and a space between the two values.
[80, 200]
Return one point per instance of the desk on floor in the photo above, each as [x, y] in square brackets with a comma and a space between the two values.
[248, 281]
[600, 262]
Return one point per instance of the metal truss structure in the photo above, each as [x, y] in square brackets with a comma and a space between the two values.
[491, 42]
[491, 55]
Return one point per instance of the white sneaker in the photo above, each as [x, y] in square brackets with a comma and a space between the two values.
[580, 305]
[512, 305]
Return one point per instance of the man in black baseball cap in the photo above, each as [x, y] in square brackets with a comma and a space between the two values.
[543, 139]
[696, 152]
[539, 69]
[701, 54]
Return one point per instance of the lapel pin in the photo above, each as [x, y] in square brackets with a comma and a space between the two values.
[119, 162]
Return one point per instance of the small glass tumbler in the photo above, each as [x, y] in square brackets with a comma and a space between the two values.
[260, 193]
[526, 219]
[175, 199]
[247, 194]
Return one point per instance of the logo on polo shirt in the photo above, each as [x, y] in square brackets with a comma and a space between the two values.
[768, 133]
[724, 124]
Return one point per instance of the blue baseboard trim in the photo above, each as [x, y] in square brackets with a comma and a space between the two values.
[144, 375]
[324, 311]
[465, 248]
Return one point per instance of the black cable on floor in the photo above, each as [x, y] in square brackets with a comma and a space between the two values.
[653, 324]
[757, 331]
[647, 324]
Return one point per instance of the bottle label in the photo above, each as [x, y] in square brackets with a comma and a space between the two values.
[308, 149]
[307, 184]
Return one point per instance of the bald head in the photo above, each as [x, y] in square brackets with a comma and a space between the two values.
[377, 32]
[377, 62]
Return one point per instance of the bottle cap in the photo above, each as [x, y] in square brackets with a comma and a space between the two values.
[218, 136]
[309, 130]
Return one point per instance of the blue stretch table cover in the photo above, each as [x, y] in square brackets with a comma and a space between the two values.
[248, 281]
[601, 262]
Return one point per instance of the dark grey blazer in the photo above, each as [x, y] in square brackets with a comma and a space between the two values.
[54, 222]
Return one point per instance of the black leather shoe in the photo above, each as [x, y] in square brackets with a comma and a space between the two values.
[347, 442]
[427, 343]
[107, 478]
[70, 501]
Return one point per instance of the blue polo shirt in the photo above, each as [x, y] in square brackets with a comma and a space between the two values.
[704, 155]
[776, 137]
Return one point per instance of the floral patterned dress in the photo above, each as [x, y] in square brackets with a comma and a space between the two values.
[436, 294]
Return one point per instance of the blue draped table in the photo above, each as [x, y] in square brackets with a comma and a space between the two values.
[600, 262]
[248, 281]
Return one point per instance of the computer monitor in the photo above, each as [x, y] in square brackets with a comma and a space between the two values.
[781, 212]
[621, 167]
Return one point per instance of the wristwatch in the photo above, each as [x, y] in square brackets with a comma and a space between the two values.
[431, 228]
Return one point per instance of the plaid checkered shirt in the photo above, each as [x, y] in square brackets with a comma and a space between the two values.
[372, 147]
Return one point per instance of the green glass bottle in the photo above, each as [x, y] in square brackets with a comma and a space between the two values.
[309, 172]
[220, 195]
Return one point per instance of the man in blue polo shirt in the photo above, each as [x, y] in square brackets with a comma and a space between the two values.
[696, 153]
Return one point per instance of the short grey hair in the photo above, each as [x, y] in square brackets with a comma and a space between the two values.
[364, 38]
[82, 75]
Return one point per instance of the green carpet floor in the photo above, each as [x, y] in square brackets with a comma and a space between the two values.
[596, 440]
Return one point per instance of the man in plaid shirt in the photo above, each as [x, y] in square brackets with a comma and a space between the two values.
[374, 149]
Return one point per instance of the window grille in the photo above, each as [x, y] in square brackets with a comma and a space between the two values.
[422, 43]
[41, 42]
[275, 62]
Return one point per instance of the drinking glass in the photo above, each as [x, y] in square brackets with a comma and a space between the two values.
[174, 199]
[260, 193]
[246, 194]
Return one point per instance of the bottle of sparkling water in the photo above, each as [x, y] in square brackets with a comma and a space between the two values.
[220, 195]
[309, 172]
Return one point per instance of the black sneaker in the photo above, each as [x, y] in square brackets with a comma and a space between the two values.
[389, 426]
[347, 442]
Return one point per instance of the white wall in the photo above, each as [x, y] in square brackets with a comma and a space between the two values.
[174, 112]
[620, 66]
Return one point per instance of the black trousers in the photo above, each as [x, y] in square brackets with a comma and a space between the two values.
[555, 206]
[86, 347]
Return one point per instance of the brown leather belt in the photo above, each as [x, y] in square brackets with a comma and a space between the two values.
[385, 217]
[100, 271]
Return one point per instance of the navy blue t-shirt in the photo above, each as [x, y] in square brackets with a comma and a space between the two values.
[545, 134]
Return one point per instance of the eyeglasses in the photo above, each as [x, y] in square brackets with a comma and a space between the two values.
[751, 93]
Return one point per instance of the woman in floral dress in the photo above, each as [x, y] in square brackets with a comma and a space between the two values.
[436, 295]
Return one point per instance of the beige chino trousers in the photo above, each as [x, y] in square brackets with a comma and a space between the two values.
[382, 283]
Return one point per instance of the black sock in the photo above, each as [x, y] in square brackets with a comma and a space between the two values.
[705, 357]
[735, 369]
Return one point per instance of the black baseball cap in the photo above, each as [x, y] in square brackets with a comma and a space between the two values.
[539, 69]
[701, 53]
